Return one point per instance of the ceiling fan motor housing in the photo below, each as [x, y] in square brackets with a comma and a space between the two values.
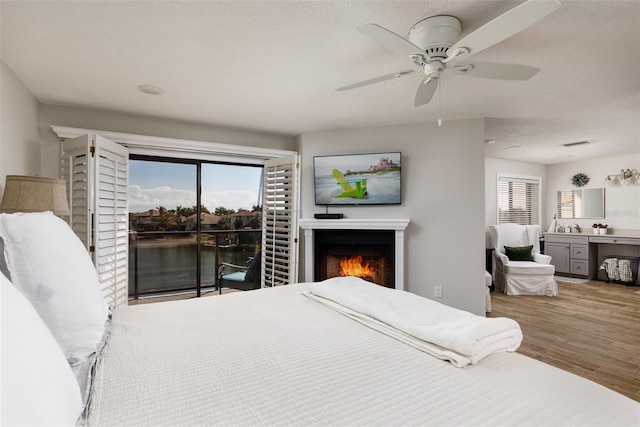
[436, 34]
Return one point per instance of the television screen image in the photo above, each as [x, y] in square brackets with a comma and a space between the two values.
[358, 179]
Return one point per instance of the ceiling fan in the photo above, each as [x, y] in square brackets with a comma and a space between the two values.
[433, 45]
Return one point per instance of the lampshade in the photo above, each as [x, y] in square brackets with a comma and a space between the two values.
[34, 194]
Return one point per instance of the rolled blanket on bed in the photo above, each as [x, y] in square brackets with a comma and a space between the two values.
[442, 331]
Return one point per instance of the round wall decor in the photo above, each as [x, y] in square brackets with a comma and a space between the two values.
[580, 180]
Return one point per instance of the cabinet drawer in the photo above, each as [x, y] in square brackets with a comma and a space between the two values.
[566, 238]
[580, 251]
[615, 240]
[579, 267]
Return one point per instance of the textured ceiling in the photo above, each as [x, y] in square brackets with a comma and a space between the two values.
[272, 66]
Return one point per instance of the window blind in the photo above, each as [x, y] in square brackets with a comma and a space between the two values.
[518, 200]
[568, 206]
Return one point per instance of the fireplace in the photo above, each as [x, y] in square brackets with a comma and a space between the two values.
[368, 254]
[346, 238]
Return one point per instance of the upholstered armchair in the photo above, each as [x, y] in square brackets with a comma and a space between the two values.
[518, 266]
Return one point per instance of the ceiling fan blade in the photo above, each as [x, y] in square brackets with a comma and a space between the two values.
[390, 40]
[495, 70]
[426, 90]
[504, 26]
[376, 80]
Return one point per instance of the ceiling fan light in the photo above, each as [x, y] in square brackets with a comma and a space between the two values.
[436, 34]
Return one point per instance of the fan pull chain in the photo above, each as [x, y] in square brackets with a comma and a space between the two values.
[439, 102]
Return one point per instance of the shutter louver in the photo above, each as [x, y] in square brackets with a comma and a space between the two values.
[280, 210]
[111, 220]
[75, 169]
[97, 185]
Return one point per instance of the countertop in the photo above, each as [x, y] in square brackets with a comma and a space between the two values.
[611, 233]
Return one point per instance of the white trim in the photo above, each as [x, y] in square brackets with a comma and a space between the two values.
[398, 225]
[523, 178]
[181, 148]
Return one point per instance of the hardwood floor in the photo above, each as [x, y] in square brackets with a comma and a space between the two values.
[592, 330]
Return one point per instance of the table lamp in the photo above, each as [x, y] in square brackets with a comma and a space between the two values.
[34, 194]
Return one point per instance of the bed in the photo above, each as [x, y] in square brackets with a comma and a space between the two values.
[279, 356]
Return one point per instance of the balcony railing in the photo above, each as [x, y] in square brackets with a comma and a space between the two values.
[166, 262]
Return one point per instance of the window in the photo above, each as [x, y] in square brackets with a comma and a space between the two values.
[518, 199]
[179, 236]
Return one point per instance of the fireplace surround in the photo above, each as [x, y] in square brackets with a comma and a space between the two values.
[347, 236]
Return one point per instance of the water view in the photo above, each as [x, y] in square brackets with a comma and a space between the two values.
[167, 265]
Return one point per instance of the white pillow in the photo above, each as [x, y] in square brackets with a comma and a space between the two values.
[38, 387]
[49, 264]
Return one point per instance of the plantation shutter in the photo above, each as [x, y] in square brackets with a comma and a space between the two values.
[76, 170]
[96, 171]
[280, 211]
[518, 200]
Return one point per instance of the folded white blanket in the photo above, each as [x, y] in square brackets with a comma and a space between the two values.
[442, 331]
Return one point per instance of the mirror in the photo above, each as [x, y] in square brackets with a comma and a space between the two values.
[581, 203]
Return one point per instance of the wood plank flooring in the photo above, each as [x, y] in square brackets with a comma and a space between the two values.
[592, 330]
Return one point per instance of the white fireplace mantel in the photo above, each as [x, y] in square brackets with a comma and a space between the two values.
[397, 225]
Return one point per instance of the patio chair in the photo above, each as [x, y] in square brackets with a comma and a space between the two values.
[241, 277]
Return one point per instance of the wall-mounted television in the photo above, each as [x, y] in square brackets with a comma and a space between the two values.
[358, 179]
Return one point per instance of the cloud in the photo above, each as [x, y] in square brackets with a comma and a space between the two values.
[236, 199]
[143, 199]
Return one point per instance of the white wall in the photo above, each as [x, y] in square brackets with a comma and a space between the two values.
[443, 196]
[622, 203]
[492, 167]
[19, 137]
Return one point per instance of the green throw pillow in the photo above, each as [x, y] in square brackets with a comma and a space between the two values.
[519, 254]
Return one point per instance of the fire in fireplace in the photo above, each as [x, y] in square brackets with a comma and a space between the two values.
[353, 266]
[368, 254]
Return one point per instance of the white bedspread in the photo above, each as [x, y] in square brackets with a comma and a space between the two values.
[274, 357]
[442, 331]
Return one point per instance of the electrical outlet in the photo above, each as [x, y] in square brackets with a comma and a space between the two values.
[437, 291]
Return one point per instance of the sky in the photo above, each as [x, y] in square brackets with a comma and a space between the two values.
[153, 184]
[324, 165]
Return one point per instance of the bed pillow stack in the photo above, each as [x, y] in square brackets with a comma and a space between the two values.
[38, 386]
[50, 266]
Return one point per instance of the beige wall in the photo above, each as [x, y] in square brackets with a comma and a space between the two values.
[19, 136]
[443, 196]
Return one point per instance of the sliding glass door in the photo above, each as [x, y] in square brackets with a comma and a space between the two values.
[187, 217]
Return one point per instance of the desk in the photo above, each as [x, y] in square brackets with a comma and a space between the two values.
[580, 254]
